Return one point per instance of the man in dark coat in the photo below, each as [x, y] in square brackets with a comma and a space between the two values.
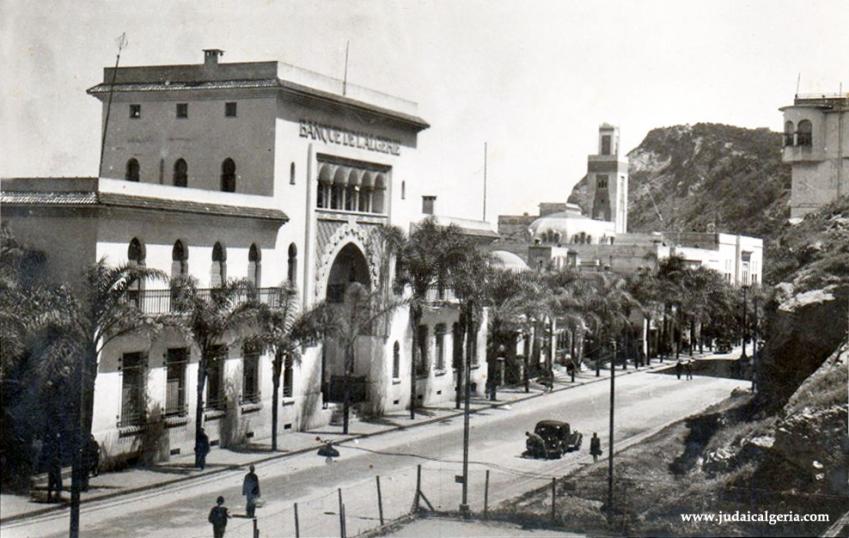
[678, 369]
[595, 447]
[54, 466]
[250, 489]
[689, 369]
[91, 460]
[218, 516]
[201, 449]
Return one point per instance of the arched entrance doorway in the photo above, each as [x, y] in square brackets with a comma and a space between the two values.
[349, 267]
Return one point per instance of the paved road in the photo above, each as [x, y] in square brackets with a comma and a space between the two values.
[645, 402]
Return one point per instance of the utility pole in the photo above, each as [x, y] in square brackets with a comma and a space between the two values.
[484, 180]
[754, 343]
[610, 435]
[122, 43]
[470, 348]
[345, 76]
[745, 304]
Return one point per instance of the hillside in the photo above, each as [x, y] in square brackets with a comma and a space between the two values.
[783, 450]
[706, 173]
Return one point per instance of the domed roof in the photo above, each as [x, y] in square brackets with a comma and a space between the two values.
[507, 260]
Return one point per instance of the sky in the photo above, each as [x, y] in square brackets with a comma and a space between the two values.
[532, 80]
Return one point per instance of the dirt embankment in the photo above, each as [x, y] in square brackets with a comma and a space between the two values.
[732, 458]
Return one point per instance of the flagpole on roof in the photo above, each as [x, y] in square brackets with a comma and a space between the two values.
[345, 78]
[122, 43]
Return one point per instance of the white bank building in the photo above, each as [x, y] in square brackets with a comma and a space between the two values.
[253, 170]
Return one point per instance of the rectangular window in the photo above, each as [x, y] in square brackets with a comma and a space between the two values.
[428, 203]
[250, 377]
[230, 110]
[175, 381]
[439, 335]
[605, 145]
[135, 112]
[215, 378]
[182, 110]
[421, 364]
[132, 389]
[288, 377]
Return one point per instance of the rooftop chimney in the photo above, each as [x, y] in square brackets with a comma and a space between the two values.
[210, 56]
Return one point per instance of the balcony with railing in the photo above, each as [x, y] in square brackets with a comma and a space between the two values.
[164, 301]
[437, 294]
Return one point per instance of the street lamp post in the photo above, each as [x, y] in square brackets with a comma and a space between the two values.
[754, 342]
[610, 435]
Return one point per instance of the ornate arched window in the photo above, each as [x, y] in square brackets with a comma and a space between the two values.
[788, 133]
[228, 175]
[254, 266]
[805, 133]
[181, 173]
[179, 260]
[218, 275]
[133, 170]
[136, 257]
[292, 266]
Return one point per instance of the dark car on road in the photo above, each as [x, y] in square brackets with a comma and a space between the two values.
[723, 346]
[552, 439]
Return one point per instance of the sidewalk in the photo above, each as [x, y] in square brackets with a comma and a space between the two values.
[181, 468]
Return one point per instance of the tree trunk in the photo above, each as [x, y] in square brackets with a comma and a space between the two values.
[346, 403]
[692, 336]
[527, 351]
[415, 318]
[277, 367]
[460, 366]
[199, 405]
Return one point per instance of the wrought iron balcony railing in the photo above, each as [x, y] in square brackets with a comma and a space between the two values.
[435, 294]
[164, 301]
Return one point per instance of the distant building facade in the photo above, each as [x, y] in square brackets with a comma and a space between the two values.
[816, 145]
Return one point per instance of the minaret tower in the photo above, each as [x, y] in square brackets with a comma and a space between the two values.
[607, 178]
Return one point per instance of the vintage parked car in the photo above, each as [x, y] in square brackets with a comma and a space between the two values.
[552, 439]
[723, 346]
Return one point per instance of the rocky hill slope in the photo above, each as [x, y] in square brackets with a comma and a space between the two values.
[807, 318]
[706, 174]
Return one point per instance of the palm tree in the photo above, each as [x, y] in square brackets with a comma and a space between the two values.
[284, 329]
[208, 316]
[422, 260]
[83, 322]
[568, 302]
[355, 317]
[611, 302]
[644, 286]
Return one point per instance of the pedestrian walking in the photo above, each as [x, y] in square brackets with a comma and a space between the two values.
[54, 466]
[201, 449]
[218, 516]
[595, 447]
[91, 461]
[570, 369]
[250, 489]
[679, 368]
[689, 370]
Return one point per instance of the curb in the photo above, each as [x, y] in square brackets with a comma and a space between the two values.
[276, 456]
